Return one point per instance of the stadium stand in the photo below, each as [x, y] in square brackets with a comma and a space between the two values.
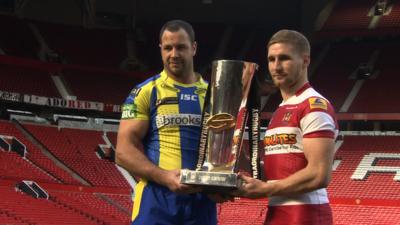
[351, 153]
[77, 40]
[90, 205]
[26, 80]
[92, 74]
[19, 40]
[77, 149]
[376, 92]
[112, 136]
[13, 166]
[392, 20]
[361, 19]
[244, 210]
[146, 44]
[337, 68]
[21, 208]
[121, 200]
[88, 84]
[372, 200]
[208, 36]
[347, 214]
[350, 15]
[35, 156]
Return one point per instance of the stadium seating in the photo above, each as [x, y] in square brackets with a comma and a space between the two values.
[13, 166]
[122, 200]
[147, 48]
[94, 47]
[341, 62]
[209, 37]
[242, 211]
[6, 218]
[36, 156]
[101, 86]
[371, 200]
[76, 148]
[392, 20]
[27, 210]
[90, 204]
[338, 68]
[112, 136]
[87, 141]
[365, 215]
[26, 80]
[354, 148]
[355, 19]
[377, 94]
[350, 15]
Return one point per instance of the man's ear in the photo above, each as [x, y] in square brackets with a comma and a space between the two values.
[306, 60]
[194, 46]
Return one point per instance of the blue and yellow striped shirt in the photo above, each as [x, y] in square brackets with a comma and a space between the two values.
[174, 112]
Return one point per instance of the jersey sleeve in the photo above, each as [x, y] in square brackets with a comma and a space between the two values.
[137, 104]
[318, 119]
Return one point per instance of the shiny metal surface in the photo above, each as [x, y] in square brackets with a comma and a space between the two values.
[230, 84]
[223, 126]
[213, 181]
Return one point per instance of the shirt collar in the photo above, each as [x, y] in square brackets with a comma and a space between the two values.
[200, 84]
[303, 88]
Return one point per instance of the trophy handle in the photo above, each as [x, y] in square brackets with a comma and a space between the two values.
[204, 131]
[254, 106]
[249, 70]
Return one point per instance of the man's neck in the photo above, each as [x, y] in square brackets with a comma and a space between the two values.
[188, 78]
[291, 91]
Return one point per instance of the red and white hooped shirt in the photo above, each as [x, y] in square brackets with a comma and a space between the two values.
[304, 115]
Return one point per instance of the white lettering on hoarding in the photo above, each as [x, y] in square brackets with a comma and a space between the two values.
[367, 165]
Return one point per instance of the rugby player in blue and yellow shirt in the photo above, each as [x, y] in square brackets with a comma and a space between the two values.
[159, 135]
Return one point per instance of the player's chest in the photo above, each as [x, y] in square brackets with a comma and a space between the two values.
[286, 116]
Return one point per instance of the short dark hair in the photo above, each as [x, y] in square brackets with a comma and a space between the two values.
[175, 25]
[298, 40]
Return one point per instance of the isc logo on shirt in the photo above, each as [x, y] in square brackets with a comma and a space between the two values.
[189, 97]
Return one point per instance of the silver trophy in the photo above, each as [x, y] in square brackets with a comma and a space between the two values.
[223, 125]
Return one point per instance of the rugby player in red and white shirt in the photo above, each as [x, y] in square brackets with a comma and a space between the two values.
[299, 141]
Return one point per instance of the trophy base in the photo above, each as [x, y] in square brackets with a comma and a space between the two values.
[211, 182]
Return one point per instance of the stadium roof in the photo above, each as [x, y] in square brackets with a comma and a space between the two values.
[286, 13]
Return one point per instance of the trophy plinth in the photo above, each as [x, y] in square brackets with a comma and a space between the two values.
[211, 182]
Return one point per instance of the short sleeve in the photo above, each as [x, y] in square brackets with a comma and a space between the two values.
[136, 105]
[318, 119]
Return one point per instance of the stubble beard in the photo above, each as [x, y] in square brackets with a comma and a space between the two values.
[181, 71]
[286, 83]
[175, 71]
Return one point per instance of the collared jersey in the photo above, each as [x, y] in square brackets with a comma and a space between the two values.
[174, 112]
[305, 115]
